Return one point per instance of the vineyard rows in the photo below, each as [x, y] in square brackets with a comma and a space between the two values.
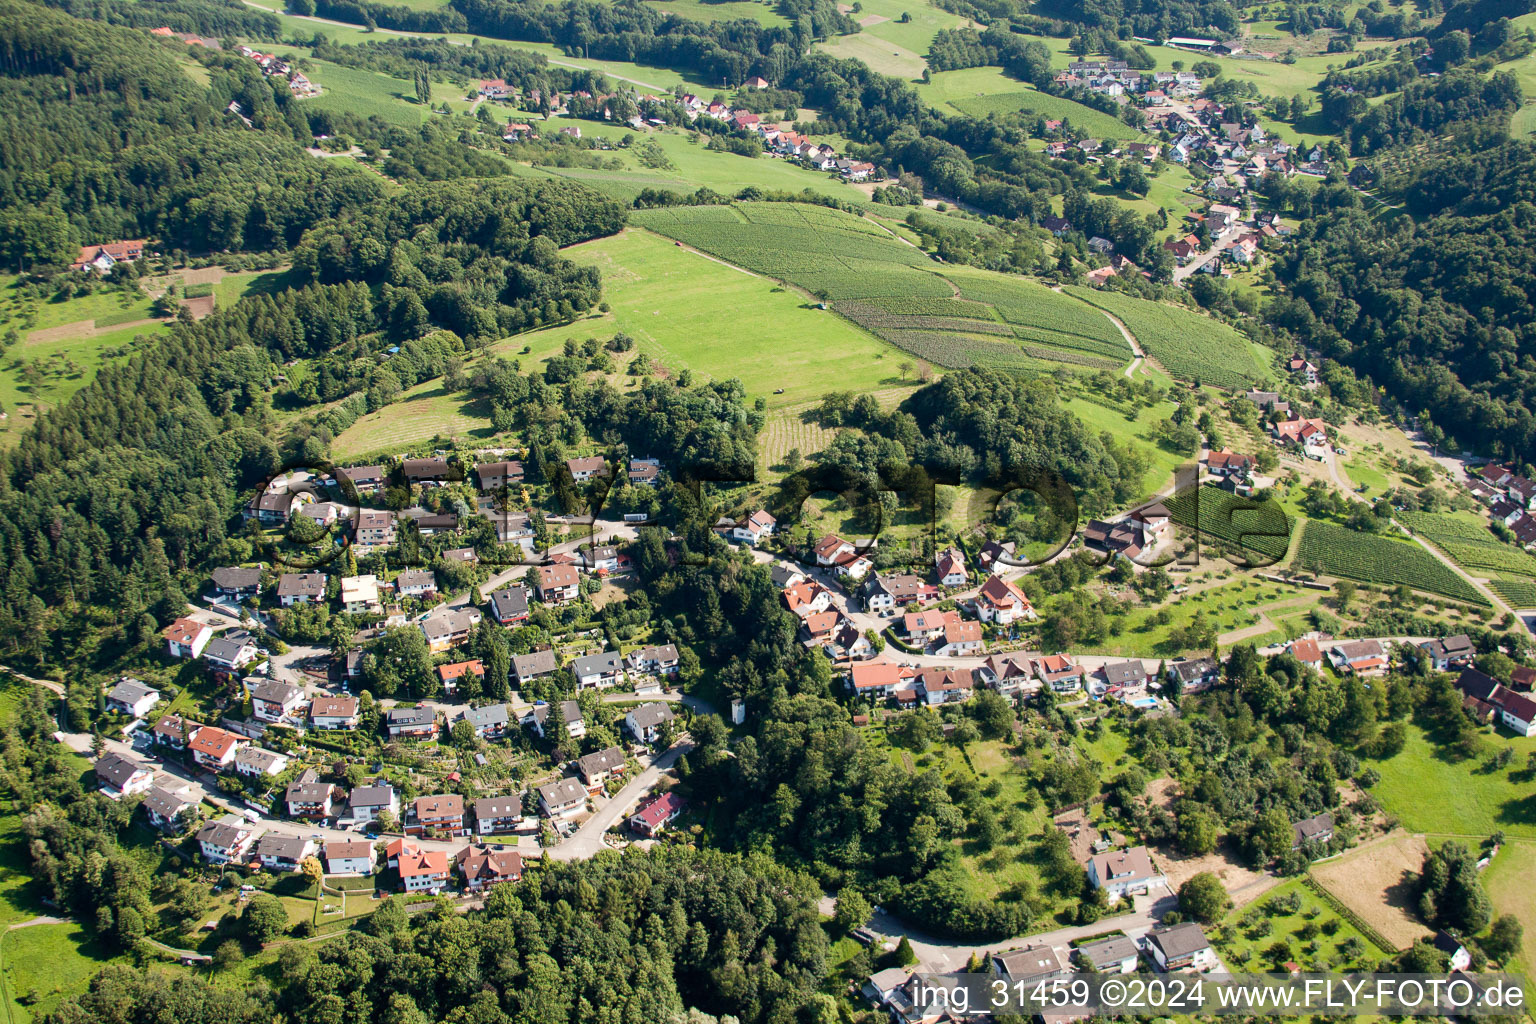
[1026, 304]
[878, 322]
[1471, 546]
[1336, 551]
[930, 307]
[1225, 517]
[955, 350]
[1519, 593]
[1190, 346]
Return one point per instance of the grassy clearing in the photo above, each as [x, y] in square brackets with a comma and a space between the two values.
[1190, 346]
[1430, 790]
[423, 412]
[234, 287]
[366, 94]
[1032, 102]
[1508, 882]
[1133, 431]
[1226, 608]
[1369, 558]
[717, 10]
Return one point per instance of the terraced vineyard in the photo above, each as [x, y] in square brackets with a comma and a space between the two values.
[1335, 551]
[1190, 346]
[1470, 546]
[1264, 531]
[892, 290]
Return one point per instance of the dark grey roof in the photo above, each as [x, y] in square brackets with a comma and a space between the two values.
[499, 806]
[236, 577]
[490, 715]
[416, 578]
[222, 648]
[562, 791]
[1121, 672]
[166, 803]
[592, 664]
[1180, 940]
[605, 760]
[115, 770]
[257, 758]
[283, 847]
[130, 691]
[217, 833]
[1109, 951]
[647, 715]
[301, 584]
[371, 796]
[538, 663]
[276, 691]
[410, 716]
[1194, 668]
[509, 602]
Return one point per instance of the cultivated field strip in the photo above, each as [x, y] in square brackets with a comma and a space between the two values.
[1190, 346]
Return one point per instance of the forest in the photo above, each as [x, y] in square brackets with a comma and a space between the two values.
[1435, 307]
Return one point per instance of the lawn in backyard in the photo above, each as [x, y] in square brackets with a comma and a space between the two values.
[1430, 790]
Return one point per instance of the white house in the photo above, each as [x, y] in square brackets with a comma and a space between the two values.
[598, 670]
[1122, 872]
[132, 698]
[186, 638]
[754, 527]
[122, 776]
[562, 798]
[644, 722]
[274, 701]
[223, 842]
[348, 858]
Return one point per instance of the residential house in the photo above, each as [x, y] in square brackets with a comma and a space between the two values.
[655, 815]
[949, 567]
[215, 748]
[175, 732]
[1448, 653]
[333, 713]
[447, 628]
[237, 582]
[600, 670]
[348, 858]
[644, 472]
[431, 471]
[880, 678]
[1229, 464]
[1028, 966]
[489, 722]
[169, 805]
[509, 605]
[452, 675]
[1306, 651]
[922, 627]
[1184, 946]
[1122, 872]
[497, 814]
[600, 558]
[411, 723]
[847, 642]
[662, 660]
[599, 766]
[1316, 829]
[1126, 675]
[1458, 959]
[366, 803]
[960, 639]
[528, 667]
[375, 530]
[232, 651]
[754, 527]
[495, 475]
[1505, 511]
[308, 797]
[1002, 602]
[1057, 226]
[416, 583]
[887, 593]
[645, 722]
[562, 798]
[423, 870]
[1302, 368]
[584, 469]
[120, 776]
[274, 701]
[225, 842]
[430, 524]
[1009, 674]
[279, 852]
[484, 866]
[1117, 955]
[806, 598]
[1312, 433]
[364, 479]
[360, 595]
[270, 507]
[946, 685]
[830, 548]
[558, 584]
[186, 638]
[1192, 675]
[442, 813]
[1363, 657]
[1269, 401]
[570, 714]
[785, 576]
[301, 588]
[132, 698]
[1059, 673]
[104, 256]
[819, 628]
[258, 763]
[1101, 245]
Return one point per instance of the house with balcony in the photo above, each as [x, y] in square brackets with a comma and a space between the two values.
[411, 723]
[442, 814]
[132, 698]
[274, 701]
[226, 842]
[214, 748]
[563, 798]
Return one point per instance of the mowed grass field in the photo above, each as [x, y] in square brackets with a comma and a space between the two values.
[1032, 101]
[886, 43]
[1508, 883]
[687, 310]
[1431, 791]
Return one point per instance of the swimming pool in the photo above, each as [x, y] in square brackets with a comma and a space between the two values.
[1143, 702]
